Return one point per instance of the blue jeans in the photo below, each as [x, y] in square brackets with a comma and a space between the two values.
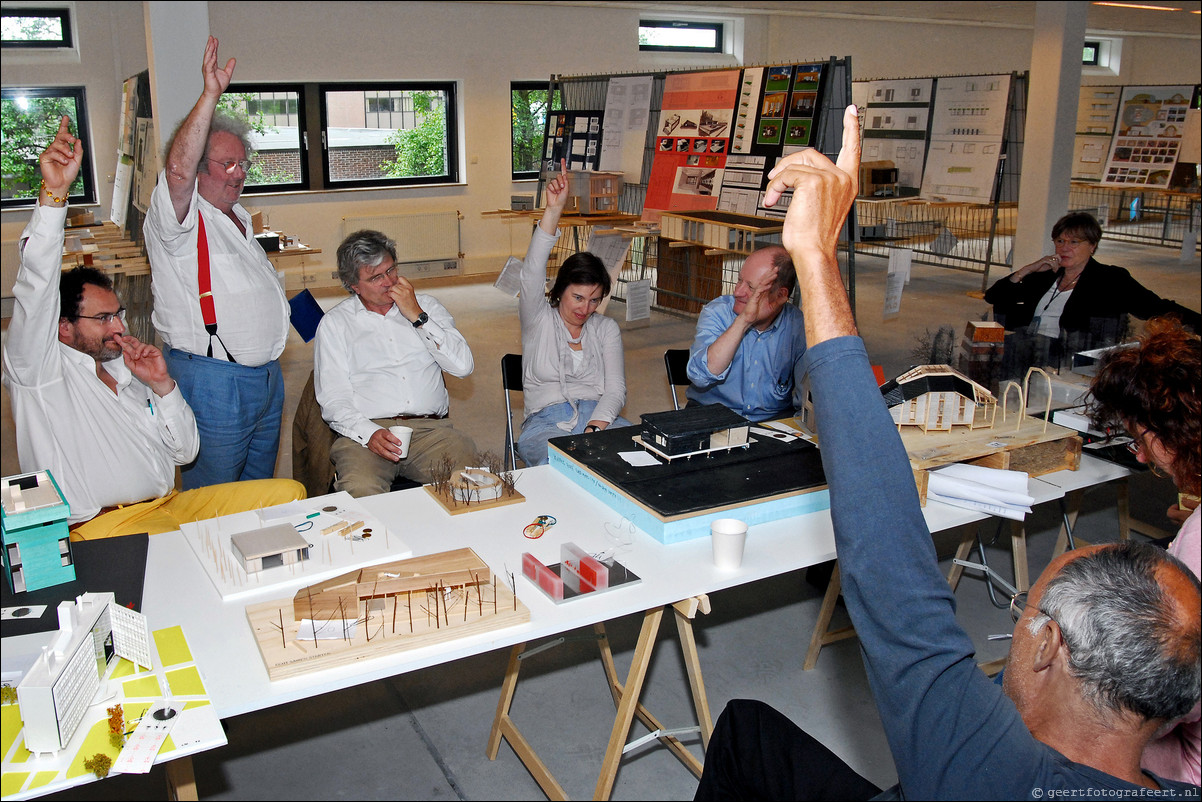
[238, 412]
[540, 427]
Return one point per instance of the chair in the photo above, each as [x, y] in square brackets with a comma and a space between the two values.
[511, 381]
[676, 361]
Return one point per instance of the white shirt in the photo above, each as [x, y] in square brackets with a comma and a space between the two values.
[102, 448]
[367, 365]
[252, 310]
[1050, 308]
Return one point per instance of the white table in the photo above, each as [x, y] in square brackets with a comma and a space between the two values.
[178, 591]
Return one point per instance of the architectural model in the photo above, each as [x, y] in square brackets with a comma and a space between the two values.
[694, 430]
[33, 524]
[271, 546]
[56, 692]
[383, 609]
[936, 398]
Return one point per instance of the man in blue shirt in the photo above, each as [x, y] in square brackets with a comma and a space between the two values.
[1105, 649]
[749, 345]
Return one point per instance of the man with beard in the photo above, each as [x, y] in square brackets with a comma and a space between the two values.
[91, 403]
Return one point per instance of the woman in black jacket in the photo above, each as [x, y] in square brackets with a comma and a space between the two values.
[1068, 301]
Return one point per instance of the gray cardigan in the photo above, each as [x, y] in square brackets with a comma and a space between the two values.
[547, 375]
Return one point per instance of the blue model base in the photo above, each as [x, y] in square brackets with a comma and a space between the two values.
[689, 527]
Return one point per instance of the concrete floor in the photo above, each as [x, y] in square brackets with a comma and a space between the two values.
[423, 735]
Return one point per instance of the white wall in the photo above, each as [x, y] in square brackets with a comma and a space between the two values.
[484, 46]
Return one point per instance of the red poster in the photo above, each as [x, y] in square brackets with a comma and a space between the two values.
[692, 142]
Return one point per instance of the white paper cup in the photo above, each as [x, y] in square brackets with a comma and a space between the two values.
[404, 434]
[729, 536]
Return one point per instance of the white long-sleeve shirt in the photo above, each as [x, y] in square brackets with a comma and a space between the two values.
[252, 310]
[103, 448]
[367, 365]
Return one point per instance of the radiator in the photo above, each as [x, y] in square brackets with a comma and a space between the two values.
[427, 243]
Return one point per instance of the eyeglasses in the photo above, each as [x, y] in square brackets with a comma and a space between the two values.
[1018, 603]
[379, 278]
[229, 164]
[107, 317]
[1135, 447]
[1064, 242]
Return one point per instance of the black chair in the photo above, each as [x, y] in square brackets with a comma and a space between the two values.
[511, 381]
[676, 361]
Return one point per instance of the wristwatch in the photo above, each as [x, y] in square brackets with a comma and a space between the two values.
[421, 320]
[591, 428]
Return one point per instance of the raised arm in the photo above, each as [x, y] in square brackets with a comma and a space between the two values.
[188, 147]
[558, 189]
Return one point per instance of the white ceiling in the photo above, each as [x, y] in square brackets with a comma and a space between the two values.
[1017, 14]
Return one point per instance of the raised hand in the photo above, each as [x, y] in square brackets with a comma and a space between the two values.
[558, 188]
[823, 191]
[60, 161]
[216, 78]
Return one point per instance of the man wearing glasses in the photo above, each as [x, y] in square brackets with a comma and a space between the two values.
[218, 303]
[1105, 648]
[91, 403]
[378, 361]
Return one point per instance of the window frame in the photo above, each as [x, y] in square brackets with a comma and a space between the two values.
[452, 132]
[716, 26]
[305, 163]
[67, 42]
[313, 120]
[81, 130]
[555, 102]
[1096, 45]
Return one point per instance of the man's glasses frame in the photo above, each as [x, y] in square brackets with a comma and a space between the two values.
[107, 317]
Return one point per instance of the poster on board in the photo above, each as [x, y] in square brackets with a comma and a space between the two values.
[692, 141]
[896, 117]
[627, 110]
[967, 126]
[1147, 136]
[575, 136]
[785, 120]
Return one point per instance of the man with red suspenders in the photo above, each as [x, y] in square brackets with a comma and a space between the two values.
[218, 303]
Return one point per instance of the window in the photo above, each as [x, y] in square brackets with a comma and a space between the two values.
[36, 27]
[362, 135]
[528, 125]
[276, 115]
[1092, 54]
[680, 36]
[29, 118]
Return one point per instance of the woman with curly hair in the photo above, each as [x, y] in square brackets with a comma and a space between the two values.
[1151, 391]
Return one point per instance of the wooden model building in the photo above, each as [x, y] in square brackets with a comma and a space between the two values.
[936, 398]
[383, 609]
[694, 430]
[33, 525]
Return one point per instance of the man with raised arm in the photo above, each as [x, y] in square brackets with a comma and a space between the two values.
[218, 303]
[91, 403]
[1105, 650]
[747, 352]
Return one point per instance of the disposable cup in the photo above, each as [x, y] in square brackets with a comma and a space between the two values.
[404, 434]
[729, 536]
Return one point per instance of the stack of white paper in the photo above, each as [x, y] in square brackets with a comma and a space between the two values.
[990, 490]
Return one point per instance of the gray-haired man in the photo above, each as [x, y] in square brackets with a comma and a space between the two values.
[378, 361]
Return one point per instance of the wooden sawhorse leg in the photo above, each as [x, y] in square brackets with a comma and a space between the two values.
[823, 635]
[626, 697]
[181, 780]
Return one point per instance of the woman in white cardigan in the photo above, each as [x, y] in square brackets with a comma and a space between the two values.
[573, 368]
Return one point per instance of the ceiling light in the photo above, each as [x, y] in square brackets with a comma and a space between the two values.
[1138, 5]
